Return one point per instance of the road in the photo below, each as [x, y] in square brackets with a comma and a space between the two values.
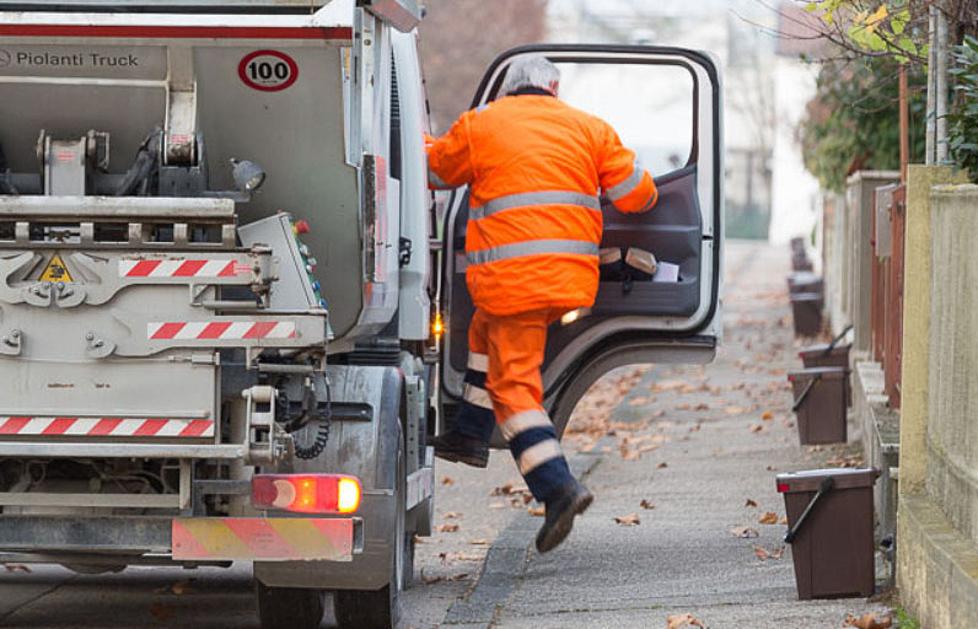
[681, 453]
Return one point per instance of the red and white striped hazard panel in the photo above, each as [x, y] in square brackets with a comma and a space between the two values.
[220, 330]
[107, 427]
[182, 268]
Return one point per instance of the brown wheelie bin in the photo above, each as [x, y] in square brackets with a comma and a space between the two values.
[806, 311]
[820, 404]
[830, 529]
[800, 262]
[833, 354]
[824, 355]
[805, 282]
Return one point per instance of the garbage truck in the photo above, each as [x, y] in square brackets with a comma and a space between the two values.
[231, 313]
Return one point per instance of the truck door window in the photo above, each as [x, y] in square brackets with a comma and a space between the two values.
[650, 105]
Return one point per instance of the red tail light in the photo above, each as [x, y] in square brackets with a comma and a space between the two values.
[306, 493]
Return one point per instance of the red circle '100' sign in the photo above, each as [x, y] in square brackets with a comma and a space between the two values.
[268, 71]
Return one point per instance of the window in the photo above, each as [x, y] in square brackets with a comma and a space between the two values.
[650, 105]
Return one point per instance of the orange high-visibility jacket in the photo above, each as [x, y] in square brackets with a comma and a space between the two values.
[535, 166]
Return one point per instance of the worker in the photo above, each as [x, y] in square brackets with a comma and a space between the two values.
[534, 166]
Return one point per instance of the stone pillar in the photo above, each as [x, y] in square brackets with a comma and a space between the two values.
[937, 514]
[952, 433]
[916, 324]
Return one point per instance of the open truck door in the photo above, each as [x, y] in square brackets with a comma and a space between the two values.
[666, 104]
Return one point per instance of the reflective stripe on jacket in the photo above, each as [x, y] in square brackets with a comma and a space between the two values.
[535, 166]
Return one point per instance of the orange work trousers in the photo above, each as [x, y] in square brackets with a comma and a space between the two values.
[504, 386]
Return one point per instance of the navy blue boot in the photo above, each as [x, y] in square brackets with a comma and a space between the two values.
[567, 503]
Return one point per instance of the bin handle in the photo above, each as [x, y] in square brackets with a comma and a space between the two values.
[801, 398]
[824, 487]
[835, 341]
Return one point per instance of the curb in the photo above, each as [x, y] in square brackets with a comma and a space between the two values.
[506, 562]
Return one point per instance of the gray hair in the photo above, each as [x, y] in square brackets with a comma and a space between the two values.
[531, 71]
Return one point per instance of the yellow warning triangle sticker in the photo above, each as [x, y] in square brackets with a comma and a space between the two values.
[56, 271]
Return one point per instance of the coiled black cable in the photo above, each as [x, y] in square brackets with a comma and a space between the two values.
[322, 437]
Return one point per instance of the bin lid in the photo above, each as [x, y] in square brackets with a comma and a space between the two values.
[806, 297]
[809, 480]
[819, 348]
[803, 277]
[825, 373]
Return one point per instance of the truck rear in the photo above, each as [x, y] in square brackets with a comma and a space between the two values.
[202, 259]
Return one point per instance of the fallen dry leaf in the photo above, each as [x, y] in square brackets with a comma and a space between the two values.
[449, 557]
[757, 428]
[869, 621]
[437, 579]
[745, 532]
[845, 461]
[750, 503]
[448, 481]
[767, 416]
[628, 454]
[509, 489]
[17, 567]
[448, 527]
[638, 401]
[668, 385]
[479, 542]
[783, 520]
[646, 504]
[763, 554]
[771, 468]
[769, 517]
[734, 410]
[452, 515]
[702, 406]
[631, 519]
[502, 490]
[678, 621]
[537, 511]
[661, 465]
[181, 587]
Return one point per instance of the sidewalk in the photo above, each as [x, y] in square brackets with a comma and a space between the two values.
[695, 444]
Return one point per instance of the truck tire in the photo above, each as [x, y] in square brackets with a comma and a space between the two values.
[381, 609]
[290, 608]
